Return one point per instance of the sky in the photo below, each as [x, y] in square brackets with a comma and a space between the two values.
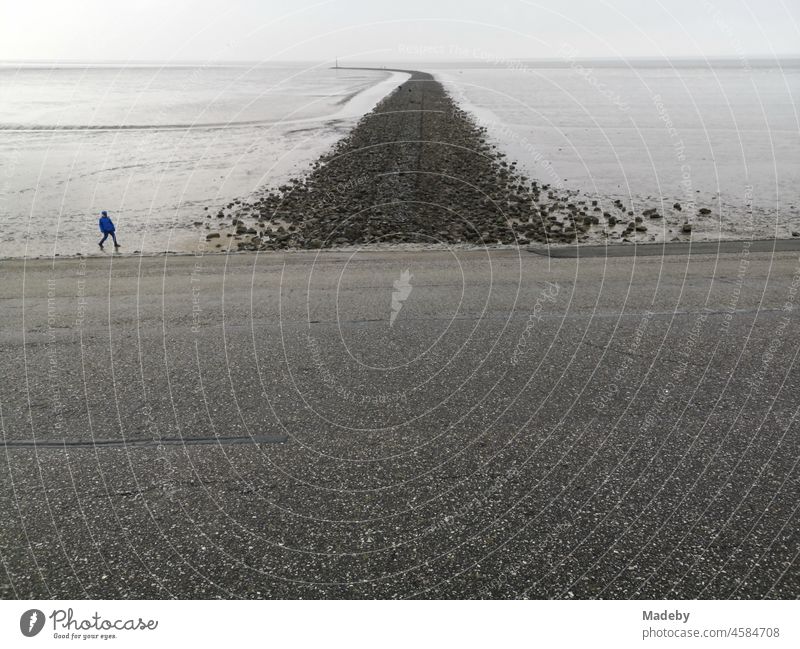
[394, 30]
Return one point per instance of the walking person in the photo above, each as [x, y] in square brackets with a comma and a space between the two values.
[107, 227]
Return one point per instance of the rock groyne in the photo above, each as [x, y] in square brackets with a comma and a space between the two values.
[416, 169]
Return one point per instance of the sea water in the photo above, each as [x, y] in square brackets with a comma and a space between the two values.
[719, 137]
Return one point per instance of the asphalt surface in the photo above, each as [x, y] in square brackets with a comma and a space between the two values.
[526, 427]
[685, 248]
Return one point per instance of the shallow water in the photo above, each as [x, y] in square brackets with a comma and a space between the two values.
[723, 138]
[155, 145]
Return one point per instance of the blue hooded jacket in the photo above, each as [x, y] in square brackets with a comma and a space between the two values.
[106, 224]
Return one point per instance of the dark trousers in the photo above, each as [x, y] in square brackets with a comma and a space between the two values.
[105, 236]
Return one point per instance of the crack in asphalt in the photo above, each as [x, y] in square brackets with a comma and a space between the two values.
[145, 442]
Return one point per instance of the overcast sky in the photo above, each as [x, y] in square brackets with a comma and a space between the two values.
[393, 30]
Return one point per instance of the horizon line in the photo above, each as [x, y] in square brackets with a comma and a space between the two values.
[493, 61]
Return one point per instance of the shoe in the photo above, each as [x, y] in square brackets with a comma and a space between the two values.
[116, 245]
[101, 245]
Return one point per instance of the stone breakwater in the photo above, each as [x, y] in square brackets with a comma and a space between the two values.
[416, 169]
